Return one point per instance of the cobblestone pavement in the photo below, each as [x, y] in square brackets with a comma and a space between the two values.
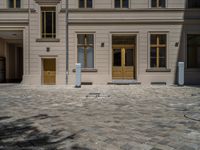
[99, 118]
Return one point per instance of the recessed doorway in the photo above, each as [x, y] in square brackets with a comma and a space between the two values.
[124, 57]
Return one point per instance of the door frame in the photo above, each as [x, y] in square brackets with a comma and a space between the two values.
[136, 35]
[42, 69]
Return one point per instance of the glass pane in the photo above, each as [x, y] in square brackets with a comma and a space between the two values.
[123, 40]
[43, 31]
[117, 57]
[162, 52]
[81, 3]
[162, 39]
[18, 3]
[153, 63]
[129, 57]
[90, 57]
[11, 3]
[90, 39]
[89, 3]
[153, 52]
[162, 3]
[49, 25]
[81, 56]
[153, 3]
[81, 39]
[117, 4]
[54, 24]
[153, 39]
[125, 3]
[162, 62]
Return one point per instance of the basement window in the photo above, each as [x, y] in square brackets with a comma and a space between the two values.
[14, 3]
[48, 22]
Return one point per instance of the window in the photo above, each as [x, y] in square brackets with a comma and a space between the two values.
[85, 3]
[158, 3]
[121, 3]
[48, 22]
[14, 3]
[193, 3]
[158, 50]
[193, 51]
[86, 50]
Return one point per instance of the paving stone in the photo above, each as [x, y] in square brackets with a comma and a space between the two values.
[123, 117]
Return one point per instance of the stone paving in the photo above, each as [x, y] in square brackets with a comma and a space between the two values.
[99, 118]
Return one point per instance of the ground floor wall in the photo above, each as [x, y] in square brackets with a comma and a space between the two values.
[103, 55]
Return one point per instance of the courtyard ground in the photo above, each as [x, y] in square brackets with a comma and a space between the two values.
[107, 117]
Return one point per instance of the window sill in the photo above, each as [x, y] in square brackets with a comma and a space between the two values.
[47, 40]
[158, 70]
[86, 70]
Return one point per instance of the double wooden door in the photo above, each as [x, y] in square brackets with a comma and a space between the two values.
[123, 63]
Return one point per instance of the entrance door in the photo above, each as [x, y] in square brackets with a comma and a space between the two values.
[49, 71]
[123, 63]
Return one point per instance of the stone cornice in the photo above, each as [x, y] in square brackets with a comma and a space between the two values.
[16, 10]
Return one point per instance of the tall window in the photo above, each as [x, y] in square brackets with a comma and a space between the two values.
[121, 3]
[14, 3]
[48, 22]
[158, 3]
[158, 50]
[193, 51]
[86, 50]
[85, 3]
[193, 3]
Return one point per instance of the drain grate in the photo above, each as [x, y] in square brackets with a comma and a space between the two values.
[96, 95]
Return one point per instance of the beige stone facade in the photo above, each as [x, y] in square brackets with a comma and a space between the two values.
[21, 28]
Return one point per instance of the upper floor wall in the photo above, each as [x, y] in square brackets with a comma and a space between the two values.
[133, 4]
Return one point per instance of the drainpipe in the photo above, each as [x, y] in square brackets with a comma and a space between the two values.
[29, 12]
[67, 43]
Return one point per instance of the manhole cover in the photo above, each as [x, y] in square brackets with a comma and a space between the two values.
[193, 116]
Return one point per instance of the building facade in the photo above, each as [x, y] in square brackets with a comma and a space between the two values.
[116, 41]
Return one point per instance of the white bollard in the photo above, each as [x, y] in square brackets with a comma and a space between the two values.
[78, 75]
[181, 73]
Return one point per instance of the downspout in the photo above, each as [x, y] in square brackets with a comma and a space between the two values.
[29, 12]
[67, 43]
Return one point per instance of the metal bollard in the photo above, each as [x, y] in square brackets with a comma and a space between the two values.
[180, 73]
[78, 75]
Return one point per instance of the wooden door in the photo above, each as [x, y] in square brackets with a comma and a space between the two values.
[49, 71]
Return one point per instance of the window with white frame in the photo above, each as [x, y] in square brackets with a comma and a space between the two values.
[121, 3]
[158, 50]
[86, 50]
[158, 3]
[193, 51]
[85, 3]
[14, 3]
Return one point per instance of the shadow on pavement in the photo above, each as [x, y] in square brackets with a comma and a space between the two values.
[23, 135]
